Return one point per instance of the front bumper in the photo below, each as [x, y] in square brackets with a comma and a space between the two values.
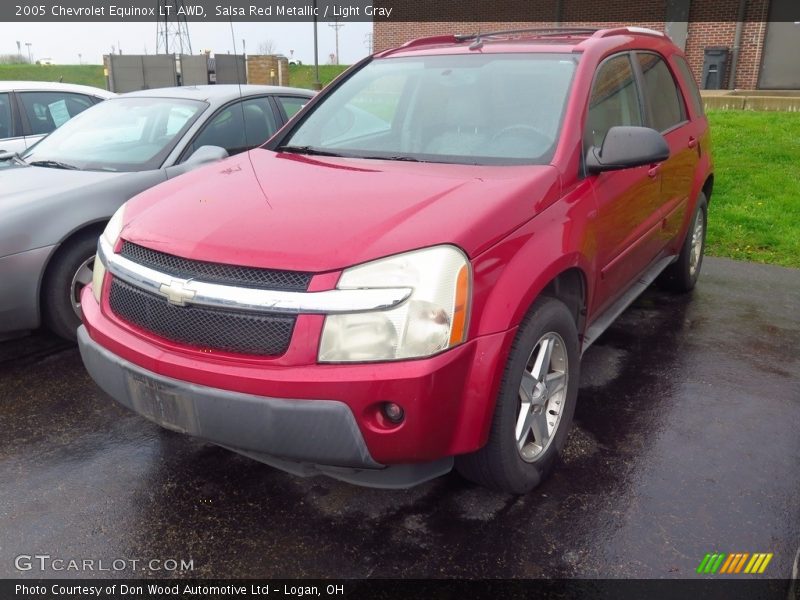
[448, 399]
[304, 438]
[20, 274]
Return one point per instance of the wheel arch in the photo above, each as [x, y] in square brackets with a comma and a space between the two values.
[708, 187]
[97, 225]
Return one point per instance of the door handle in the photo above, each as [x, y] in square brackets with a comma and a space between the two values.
[692, 142]
[654, 170]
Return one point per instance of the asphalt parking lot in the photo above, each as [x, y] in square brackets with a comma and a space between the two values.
[687, 441]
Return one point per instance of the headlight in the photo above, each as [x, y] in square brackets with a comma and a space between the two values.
[432, 319]
[114, 227]
[110, 235]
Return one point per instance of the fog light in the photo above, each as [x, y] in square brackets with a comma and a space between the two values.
[393, 412]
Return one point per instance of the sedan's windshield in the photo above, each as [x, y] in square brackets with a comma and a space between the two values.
[122, 134]
[471, 108]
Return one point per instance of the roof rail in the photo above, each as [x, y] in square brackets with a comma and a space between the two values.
[434, 39]
[541, 31]
[630, 29]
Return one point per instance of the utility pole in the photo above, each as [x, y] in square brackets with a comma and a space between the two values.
[368, 42]
[80, 58]
[317, 84]
[30, 56]
[336, 26]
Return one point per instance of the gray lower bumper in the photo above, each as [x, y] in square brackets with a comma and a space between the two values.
[304, 437]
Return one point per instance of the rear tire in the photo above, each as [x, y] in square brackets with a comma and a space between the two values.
[535, 405]
[69, 271]
[681, 276]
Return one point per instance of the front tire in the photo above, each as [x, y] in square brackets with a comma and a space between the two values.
[535, 404]
[69, 271]
[681, 276]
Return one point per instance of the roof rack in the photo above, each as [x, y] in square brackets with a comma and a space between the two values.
[541, 31]
[433, 39]
[630, 29]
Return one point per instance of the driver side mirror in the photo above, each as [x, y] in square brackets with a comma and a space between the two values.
[206, 154]
[625, 147]
[202, 156]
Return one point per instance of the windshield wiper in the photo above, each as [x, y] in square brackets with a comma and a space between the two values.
[307, 150]
[53, 164]
[404, 157]
[13, 156]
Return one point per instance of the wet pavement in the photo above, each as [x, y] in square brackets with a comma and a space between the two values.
[687, 441]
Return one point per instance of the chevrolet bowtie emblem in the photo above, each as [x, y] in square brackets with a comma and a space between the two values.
[176, 293]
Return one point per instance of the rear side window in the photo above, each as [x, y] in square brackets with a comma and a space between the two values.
[5, 116]
[691, 83]
[292, 104]
[614, 100]
[48, 110]
[661, 91]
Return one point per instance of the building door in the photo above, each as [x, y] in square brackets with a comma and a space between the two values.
[780, 69]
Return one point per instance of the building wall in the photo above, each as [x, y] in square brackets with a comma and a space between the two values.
[711, 23]
[267, 69]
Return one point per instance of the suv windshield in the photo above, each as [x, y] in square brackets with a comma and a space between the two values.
[470, 108]
[121, 134]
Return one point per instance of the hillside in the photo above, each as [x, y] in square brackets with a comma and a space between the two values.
[299, 75]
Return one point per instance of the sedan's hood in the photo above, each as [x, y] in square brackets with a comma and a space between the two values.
[319, 214]
[19, 186]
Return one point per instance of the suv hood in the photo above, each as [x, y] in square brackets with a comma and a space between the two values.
[310, 213]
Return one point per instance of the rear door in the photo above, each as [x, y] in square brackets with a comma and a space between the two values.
[628, 220]
[668, 114]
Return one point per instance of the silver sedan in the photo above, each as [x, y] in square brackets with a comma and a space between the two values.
[56, 198]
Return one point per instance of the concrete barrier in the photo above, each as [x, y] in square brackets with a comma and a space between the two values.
[762, 100]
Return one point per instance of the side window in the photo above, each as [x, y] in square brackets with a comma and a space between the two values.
[292, 104]
[614, 100]
[691, 83]
[239, 127]
[5, 116]
[661, 91]
[48, 110]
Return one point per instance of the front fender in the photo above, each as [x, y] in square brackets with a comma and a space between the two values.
[512, 274]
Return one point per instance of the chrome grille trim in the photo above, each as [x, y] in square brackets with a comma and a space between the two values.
[250, 299]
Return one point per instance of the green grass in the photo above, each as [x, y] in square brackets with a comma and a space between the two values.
[81, 74]
[302, 76]
[755, 208]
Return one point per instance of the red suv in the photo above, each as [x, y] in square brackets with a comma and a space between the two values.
[404, 278]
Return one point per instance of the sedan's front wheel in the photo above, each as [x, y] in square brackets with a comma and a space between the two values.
[535, 405]
[67, 274]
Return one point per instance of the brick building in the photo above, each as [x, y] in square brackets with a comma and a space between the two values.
[764, 57]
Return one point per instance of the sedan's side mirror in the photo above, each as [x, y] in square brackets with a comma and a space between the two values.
[625, 147]
[202, 156]
[206, 154]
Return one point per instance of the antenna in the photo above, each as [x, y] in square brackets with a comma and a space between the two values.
[172, 29]
[239, 82]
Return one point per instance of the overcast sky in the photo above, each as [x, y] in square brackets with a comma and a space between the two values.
[62, 42]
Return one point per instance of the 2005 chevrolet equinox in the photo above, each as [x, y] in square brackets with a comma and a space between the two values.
[405, 277]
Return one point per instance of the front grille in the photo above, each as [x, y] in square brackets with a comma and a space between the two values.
[205, 328]
[216, 272]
